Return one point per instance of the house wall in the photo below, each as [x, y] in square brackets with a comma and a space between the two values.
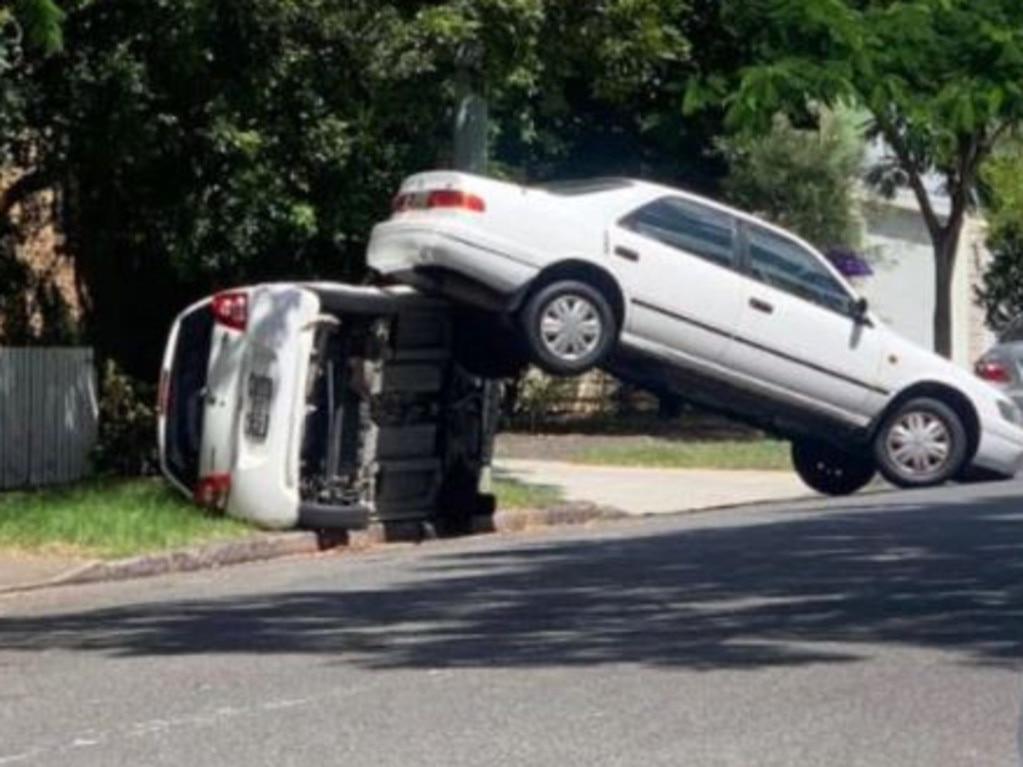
[901, 290]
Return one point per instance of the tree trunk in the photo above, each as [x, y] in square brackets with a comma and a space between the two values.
[945, 249]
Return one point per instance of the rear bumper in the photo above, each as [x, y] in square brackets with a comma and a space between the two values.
[259, 496]
[271, 505]
[405, 250]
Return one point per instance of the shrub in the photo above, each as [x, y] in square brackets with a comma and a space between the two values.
[804, 180]
[126, 445]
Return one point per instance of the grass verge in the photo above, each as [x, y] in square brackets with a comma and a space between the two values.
[512, 494]
[767, 455]
[108, 519]
[123, 518]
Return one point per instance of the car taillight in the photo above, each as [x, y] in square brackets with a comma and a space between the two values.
[212, 490]
[231, 309]
[992, 370]
[163, 393]
[439, 198]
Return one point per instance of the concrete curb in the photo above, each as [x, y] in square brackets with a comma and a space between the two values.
[208, 556]
[569, 513]
[277, 545]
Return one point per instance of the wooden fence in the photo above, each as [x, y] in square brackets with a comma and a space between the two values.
[48, 415]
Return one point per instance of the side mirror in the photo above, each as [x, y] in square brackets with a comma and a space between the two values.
[859, 310]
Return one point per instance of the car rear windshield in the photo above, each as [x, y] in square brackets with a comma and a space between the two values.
[187, 383]
[583, 187]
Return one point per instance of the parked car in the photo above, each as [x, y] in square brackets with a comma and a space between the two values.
[1002, 364]
[681, 294]
[323, 405]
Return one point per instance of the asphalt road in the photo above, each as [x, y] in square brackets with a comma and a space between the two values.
[883, 631]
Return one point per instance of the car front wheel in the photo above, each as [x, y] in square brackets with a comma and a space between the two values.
[829, 470]
[921, 444]
[569, 326]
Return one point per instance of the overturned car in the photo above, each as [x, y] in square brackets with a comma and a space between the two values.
[325, 405]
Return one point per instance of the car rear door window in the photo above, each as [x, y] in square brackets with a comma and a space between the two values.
[785, 264]
[687, 226]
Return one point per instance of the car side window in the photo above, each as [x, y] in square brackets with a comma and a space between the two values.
[785, 264]
[687, 226]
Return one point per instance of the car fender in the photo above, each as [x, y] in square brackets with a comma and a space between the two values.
[579, 268]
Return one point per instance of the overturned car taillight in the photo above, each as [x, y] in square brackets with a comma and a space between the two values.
[231, 309]
[439, 198]
[212, 490]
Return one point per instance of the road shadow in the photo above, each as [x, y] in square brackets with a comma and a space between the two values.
[800, 590]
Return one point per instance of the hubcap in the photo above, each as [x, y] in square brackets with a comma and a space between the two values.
[570, 327]
[919, 443]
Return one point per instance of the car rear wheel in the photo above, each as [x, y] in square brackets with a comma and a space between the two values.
[569, 326]
[829, 470]
[921, 444]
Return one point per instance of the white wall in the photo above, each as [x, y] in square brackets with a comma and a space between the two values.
[901, 290]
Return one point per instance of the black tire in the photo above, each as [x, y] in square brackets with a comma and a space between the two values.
[575, 316]
[922, 443]
[829, 470]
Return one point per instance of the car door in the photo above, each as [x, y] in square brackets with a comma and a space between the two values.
[677, 260]
[801, 336]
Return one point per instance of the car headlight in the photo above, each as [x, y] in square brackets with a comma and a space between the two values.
[1010, 412]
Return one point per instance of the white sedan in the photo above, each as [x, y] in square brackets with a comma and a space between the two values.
[680, 294]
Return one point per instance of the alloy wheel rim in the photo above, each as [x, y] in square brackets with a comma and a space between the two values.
[571, 328]
[919, 443]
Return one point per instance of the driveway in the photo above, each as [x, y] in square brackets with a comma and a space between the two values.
[654, 491]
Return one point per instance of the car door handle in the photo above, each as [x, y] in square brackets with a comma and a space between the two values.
[761, 306]
[627, 253]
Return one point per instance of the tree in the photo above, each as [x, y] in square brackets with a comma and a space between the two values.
[201, 143]
[198, 143]
[28, 29]
[1002, 291]
[589, 87]
[941, 79]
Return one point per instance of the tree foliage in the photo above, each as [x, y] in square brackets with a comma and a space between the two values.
[1002, 292]
[199, 143]
[942, 80]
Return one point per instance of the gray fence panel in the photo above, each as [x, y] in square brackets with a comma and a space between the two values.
[48, 416]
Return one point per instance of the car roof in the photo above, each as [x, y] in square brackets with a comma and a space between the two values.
[641, 191]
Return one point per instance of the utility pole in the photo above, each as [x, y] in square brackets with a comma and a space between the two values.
[471, 118]
[470, 155]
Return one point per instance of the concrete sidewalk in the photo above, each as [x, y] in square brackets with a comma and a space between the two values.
[596, 491]
[641, 491]
[18, 569]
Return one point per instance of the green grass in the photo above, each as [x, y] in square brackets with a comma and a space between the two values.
[121, 518]
[512, 494]
[759, 454]
[108, 519]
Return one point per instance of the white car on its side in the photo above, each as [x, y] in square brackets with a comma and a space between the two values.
[678, 293]
[324, 405]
